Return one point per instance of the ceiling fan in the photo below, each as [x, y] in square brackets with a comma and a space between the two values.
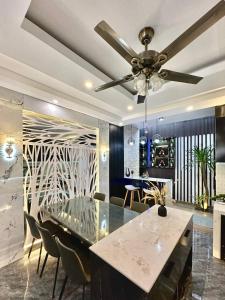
[146, 66]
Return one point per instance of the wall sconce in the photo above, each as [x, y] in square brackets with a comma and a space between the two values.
[9, 148]
[104, 153]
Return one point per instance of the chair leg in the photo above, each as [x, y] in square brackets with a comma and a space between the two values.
[39, 259]
[31, 247]
[83, 296]
[43, 267]
[125, 198]
[63, 287]
[131, 199]
[139, 198]
[145, 199]
[56, 274]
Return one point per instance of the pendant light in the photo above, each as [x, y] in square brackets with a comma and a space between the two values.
[131, 140]
[156, 137]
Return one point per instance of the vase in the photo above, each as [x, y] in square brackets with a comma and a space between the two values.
[127, 172]
[162, 211]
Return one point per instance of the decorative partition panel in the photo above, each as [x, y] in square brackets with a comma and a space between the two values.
[60, 160]
[188, 181]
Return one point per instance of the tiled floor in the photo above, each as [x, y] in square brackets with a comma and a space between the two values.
[208, 273]
[20, 281]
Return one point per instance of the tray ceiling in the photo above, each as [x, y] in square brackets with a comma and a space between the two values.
[60, 49]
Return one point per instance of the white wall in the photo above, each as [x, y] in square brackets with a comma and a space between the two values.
[131, 153]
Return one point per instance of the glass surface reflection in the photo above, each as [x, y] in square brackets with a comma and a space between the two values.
[90, 219]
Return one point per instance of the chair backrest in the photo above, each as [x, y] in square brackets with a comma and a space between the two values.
[72, 263]
[32, 224]
[139, 207]
[99, 196]
[48, 241]
[117, 201]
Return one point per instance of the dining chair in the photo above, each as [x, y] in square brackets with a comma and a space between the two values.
[99, 196]
[117, 201]
[35, 233]
[51, 248]
[76, 266]
[139, 207]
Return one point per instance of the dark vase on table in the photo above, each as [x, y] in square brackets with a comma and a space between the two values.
[162, 211]
[127, 172]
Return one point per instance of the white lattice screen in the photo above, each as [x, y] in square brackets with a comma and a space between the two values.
[60, 160]
[188, 181]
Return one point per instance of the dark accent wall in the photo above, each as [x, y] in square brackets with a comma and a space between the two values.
[182, 132]
[220, 133]
[116, 160]
[180, 129]
[185, 128]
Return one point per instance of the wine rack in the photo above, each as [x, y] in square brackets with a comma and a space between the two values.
[163, 154]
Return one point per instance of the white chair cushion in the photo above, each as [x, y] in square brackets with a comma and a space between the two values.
[130, 187]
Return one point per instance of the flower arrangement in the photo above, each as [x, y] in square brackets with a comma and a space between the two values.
[159, 195]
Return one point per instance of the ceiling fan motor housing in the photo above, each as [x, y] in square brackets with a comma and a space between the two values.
[145, 35]
[146, 63]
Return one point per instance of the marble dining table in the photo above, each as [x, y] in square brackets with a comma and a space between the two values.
[89, 219]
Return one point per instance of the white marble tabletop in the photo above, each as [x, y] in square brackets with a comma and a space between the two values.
[149, 178]
[140, 249]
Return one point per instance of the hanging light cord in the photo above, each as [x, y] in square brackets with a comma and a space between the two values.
[146, 102]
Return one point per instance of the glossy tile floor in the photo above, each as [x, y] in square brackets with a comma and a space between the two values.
[208, 273]
[20, 281]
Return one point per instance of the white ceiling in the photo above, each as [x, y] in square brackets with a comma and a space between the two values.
[47, 68]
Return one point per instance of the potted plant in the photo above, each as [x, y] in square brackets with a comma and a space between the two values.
[159, 196]
[204, 158]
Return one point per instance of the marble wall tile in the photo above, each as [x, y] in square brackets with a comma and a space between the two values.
[220, 175]
[103, 152]
[131, 153]
[11, 185]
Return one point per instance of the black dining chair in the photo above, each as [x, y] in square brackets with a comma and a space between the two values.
[117, 201]
[35, 233]
[75, 262]
[51, 249]
[99, 196]
[139, 207]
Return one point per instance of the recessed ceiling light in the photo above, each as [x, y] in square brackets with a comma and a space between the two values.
[88, 84]
[189, 108]
[161, 119]
[130, 107]
[55, 101]
[120, 123]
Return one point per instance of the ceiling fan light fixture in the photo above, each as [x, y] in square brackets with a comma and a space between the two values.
[156, 82]
[140, 84]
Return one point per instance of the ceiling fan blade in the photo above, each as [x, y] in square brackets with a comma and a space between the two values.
[114, 83]
[140, 99]
[205, 22]
[112, 38]
[180, 77]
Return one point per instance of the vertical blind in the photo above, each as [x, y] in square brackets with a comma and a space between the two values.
[188, 181]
